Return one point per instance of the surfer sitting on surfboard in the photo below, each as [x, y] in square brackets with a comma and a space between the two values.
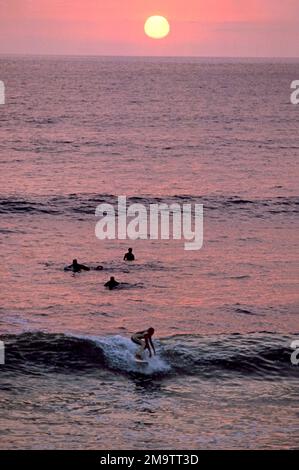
[129, 256]
[144, 340]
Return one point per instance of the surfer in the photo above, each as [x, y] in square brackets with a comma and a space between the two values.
[129, 256]
[144, 340]
[112, 283]
[76, 267]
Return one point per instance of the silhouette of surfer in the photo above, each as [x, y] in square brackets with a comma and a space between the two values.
[129, 256]
[112, 283]
[144, 340]
[76, 267]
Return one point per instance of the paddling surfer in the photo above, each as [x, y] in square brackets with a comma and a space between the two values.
[112, 283]
[76, 267]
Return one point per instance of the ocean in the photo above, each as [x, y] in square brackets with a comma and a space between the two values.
[76, 132]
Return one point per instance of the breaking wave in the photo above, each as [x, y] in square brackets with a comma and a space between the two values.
[37, 353]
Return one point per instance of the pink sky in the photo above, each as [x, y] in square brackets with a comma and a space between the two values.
[257, 28]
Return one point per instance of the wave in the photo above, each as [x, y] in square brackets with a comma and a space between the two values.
[86, 204]
[260, 355]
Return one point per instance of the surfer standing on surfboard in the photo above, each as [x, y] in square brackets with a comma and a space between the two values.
[144, 340]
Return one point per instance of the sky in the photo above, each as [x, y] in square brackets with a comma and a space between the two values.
[229, 28]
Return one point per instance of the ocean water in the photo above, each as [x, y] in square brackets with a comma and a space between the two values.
[75, 132]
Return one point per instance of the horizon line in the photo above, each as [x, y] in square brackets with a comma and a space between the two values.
[147, 56]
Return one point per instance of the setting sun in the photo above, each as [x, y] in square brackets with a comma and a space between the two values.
[156, 27]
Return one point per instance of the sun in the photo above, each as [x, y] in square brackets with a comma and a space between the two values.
[157, 27]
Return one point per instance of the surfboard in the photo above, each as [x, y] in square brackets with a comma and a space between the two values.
[140, 361]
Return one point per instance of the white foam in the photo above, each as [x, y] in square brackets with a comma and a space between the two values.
[120, 352]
